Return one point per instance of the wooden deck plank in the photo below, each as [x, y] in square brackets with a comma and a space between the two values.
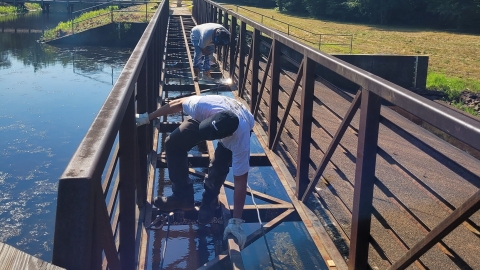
[14, 259]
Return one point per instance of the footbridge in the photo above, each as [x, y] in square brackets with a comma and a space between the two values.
[349, 168]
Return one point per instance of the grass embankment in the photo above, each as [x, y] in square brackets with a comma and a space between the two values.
[6, 9]
[95, 18]
[454, 59]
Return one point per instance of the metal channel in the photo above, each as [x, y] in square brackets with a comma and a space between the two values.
[178, 79]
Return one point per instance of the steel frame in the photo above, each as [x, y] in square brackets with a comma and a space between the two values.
[373, 90]
[87, 226]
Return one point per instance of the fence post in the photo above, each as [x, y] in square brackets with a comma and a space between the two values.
[319, 41]
[288, 29]
[351, 43]
[255, 51]
[364, 180]
[305, 134]
[274, 92]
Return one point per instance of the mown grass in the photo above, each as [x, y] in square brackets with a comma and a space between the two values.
[454, 59]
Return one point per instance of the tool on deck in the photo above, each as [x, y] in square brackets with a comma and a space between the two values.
[170, 215]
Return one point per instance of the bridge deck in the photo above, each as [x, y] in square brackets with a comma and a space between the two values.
[192, 245]
[374, 183]
[409, 166]
[13, 258]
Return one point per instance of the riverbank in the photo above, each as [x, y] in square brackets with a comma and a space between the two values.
[6, 9]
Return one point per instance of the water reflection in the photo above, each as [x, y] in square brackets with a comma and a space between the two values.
[49, 96]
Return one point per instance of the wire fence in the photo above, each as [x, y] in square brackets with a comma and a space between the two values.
[322, 40]
[112, 14]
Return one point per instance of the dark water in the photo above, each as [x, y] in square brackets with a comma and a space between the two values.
[49, 96]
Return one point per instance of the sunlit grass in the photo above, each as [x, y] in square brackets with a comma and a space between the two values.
[96, 18]
[455, 55]
[9, 9]
[453, 87]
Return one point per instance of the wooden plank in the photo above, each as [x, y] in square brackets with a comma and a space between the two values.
[266, 206]
[260, 195]
[13, 259]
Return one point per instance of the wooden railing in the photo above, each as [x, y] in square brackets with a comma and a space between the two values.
[290, 114]
[105, 181]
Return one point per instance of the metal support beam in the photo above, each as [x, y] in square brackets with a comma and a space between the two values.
[305, 135]
[364, 180]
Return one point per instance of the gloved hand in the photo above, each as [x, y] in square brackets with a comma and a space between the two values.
[142, 119]
[235, 228]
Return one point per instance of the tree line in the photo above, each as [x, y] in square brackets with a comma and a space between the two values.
[461, 15]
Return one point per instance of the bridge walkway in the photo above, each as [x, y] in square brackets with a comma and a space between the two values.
[272, 199]
[348, 166]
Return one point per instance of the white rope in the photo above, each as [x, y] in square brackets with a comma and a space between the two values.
[261, 226]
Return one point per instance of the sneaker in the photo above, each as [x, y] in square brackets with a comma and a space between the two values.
[174, 202]
[207, 75]
[207, 211]
[195, 74]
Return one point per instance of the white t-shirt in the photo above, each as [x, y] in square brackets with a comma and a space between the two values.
[202, 107]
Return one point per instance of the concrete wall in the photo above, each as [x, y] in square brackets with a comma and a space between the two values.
[111, 35]
[398, 69]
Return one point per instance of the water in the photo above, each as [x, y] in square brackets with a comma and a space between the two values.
[49, 96]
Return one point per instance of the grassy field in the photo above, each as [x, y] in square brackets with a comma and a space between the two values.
[454, 58]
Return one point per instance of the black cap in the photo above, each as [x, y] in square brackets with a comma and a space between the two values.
[219, 125]
[222, 37]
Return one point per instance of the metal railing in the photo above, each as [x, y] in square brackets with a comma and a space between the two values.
[111, 16]
[105, 181]
[303, 34]
[294, 112]
[108, 14]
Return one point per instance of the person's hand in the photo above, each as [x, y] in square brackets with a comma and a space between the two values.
[235, 228]
[142, 119]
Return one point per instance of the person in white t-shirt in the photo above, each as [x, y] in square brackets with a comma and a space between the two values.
[213, 117]
[204, 38]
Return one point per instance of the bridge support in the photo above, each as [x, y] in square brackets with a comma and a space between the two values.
[70, 8]
[46, 8]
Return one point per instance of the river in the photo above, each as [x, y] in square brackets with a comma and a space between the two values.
[49, 96]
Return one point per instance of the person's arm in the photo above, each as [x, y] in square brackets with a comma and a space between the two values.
[239, 194]
[172, 107]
